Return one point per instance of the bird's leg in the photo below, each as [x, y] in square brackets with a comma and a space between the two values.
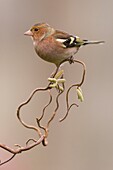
[71, 60]
[55, 72]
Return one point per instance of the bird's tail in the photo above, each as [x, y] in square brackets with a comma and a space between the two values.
[80, 42]
[86, 42]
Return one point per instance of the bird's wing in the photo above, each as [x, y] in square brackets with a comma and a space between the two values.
[66, 39]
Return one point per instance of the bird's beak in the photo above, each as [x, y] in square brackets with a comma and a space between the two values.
[29, 33]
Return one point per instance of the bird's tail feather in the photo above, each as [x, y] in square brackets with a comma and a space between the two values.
[86, 42]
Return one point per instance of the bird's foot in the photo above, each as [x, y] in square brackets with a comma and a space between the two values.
[71, 60]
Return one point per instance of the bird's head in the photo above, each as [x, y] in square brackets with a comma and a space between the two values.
[39, 31]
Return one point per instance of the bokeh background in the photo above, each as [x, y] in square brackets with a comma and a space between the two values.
[84, 141]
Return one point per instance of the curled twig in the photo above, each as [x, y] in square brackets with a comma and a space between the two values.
[25, 103]
[55, 111]
[42, 115]
[44, 109]
[55, 81]
[57, 101]
[29, 140]
[74, 104]
[74, 85]
[14, 152]
[78, 84]
[2, 163]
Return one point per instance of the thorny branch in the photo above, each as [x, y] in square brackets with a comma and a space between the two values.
[55, 81]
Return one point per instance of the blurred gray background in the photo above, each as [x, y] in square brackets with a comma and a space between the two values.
[84, 141]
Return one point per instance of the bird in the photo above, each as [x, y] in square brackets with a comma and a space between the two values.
[55, 46]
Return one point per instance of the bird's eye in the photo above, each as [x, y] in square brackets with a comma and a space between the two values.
[36, 29]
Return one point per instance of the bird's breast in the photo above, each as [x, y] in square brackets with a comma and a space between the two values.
[52, 53]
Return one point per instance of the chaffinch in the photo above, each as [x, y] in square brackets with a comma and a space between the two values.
[53, 45]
